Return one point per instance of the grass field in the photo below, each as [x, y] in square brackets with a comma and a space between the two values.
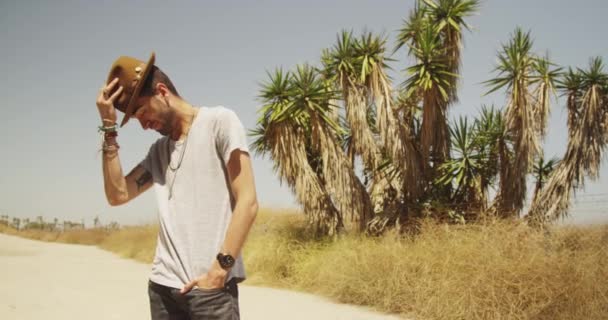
[498, 270]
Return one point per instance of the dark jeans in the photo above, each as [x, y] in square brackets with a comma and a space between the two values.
[217, 304]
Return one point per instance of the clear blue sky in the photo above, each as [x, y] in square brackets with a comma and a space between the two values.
[56, 54]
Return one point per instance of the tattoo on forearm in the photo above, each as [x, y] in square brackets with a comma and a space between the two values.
[143, 180]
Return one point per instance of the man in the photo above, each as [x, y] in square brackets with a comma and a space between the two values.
[202, 175]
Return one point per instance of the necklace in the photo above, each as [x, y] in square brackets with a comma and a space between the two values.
[181, 156]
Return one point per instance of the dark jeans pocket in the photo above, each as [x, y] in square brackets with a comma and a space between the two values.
[163, 305]
[230, 287]
[216, 304]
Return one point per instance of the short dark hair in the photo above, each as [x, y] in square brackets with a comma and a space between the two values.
[155, 77]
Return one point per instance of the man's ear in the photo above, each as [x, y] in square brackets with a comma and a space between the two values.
[162, 89]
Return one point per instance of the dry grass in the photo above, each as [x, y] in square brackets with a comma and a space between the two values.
[499, 270]
[92, 236]
[138, 243]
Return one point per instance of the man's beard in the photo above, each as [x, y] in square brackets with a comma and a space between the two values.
[165, 130]
[167, 127]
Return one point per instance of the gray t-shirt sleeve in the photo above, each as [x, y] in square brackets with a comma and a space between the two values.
[230, 134]
[146, 163]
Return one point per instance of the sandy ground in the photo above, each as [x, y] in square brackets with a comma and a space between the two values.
[40, 280]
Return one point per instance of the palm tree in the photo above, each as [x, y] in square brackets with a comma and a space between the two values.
[515, 73]
[357, 67]
[544, 78]
[448, 18]
[430, 79]
[594, 120]
[585, 146]
[348, 67]
[434, 36]
[463, 170]
[342, 66]
[282, 135]
[494, 146]
[479, 152]
[312, 98]
[541, 171]
[395, 135]
[345, 70]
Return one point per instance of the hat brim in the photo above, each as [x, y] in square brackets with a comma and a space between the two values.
[135, 95]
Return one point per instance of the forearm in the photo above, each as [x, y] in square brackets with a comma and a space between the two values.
[115, 184]
[243, 217]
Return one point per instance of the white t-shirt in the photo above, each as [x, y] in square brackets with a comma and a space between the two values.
[194, 219]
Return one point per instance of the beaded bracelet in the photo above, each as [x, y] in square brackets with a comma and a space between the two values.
[111, 128]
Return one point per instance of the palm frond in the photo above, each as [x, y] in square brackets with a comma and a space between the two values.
[570, 84]
[463, 170]
[545, 77]
[412, 27]
[514, 63]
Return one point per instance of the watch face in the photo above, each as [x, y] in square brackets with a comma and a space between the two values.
[226, 260]
[229, 260]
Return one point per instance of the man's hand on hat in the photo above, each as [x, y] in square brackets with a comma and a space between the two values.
[105, 102]
[213, 279]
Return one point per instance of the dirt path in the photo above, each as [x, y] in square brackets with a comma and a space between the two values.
[40, 280]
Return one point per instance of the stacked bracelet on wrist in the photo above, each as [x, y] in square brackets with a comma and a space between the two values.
[108, 138]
